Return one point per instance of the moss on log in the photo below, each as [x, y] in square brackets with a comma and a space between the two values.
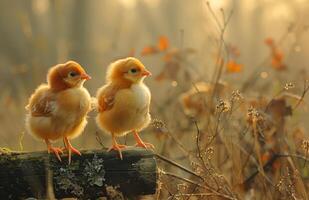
[30, 174]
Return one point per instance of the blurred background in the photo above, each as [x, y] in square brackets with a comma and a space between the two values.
[256, 47]
[228, 86]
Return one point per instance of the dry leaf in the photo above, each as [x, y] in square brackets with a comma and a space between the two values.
[196, 100]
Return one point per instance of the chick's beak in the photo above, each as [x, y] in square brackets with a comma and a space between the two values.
[85, 76]
[146, 73]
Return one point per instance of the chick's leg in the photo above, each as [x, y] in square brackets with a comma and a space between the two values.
[140, 143]
[55, 150]
[116, 146]
[70, 148]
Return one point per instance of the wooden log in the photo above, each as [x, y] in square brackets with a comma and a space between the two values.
[89, 176]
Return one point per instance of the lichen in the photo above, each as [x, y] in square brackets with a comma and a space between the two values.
[112, 192]
[68, 182]
[95, 172]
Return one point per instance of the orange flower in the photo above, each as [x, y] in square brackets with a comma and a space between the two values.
[269, 41]
[277, 60]
[276, 55]
[149, 50]
[163, 43]
[233, 67]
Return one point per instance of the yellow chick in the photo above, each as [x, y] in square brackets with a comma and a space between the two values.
[59, 109]
[123, 102]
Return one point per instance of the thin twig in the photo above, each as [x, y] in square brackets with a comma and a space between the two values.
[99, 140]
[293, 156]
[198, 185]
[196, 195]
[198, 147]
[269, 163]
[305, 90]
[179, 166]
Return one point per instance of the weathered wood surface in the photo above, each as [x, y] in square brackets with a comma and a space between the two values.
[24, 175]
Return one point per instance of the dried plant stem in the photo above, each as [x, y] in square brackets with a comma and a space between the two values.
[305, 90]
[293, 156]
[269, 163]
[257, 149]
[179, 166]
[99, 140]
[179, 144]
[198, 146]
[196, 195]
[219, 61]
[216, 132]
[215, 193]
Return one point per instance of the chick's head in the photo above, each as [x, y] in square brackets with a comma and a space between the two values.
[67, 75]
[127, 70]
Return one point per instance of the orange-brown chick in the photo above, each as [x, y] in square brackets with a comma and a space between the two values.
[59, 109]
[123, 102]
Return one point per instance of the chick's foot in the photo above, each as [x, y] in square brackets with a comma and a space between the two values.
[56, 151]
[117, 147]
[141, 143]
[70, 149]
[145, 145]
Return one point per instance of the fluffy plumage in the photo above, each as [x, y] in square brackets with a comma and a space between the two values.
[59, 109]
[123, 102]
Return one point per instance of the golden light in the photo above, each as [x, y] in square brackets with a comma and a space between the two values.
[174, 83]
[130, 4]
[264, 75]
[297, 48]
[40, 6]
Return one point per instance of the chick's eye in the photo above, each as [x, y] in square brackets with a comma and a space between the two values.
[133, 70]
[72, 74]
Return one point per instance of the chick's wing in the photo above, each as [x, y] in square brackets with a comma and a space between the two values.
[42, 102]
[106, 97]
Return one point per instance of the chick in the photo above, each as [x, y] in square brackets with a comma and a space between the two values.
[59, 108]
[123, 102]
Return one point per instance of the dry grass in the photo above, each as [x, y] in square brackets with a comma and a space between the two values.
[237, 145]
[217, 138]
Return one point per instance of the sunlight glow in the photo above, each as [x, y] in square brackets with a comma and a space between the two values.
[218, 4]
[130, 4]
[281, 11]
[174, 83]
[264, 75]
[40, 6]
